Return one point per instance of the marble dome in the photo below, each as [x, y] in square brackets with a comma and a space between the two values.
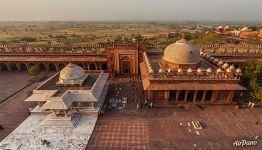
[182, 52]
[72, 74]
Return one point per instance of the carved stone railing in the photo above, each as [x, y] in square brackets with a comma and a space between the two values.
[194, 76]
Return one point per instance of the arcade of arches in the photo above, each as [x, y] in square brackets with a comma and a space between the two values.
[185, 96]
[23, 66]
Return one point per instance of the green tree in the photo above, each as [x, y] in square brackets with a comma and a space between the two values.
[28, 39]
[188, 36]
[253, 39]
[252, 78]
[33, 70]
[212, 37]
[207, 38]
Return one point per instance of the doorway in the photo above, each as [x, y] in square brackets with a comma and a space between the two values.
[126, 67]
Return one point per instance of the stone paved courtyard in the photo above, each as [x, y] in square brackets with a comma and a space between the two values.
[14, 110]
[11, 82]
[160, 128]
[152, 129]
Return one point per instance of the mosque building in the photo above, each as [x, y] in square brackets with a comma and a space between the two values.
[185, 75]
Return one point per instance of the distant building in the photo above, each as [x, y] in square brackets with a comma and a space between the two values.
[246, 34]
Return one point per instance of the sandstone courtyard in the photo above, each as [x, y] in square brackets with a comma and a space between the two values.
[152, 128]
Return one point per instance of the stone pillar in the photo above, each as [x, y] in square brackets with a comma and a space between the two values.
[98, 66]
[195, 95]
[230, 96]
[27, 66]
[166, 96]
[214, 96]
[8, 67]
[47, 66]
[204, 96]
[186, 93]
[18, 67]
[57, 67]
[92, 105]
[150, 95]
[177, 95]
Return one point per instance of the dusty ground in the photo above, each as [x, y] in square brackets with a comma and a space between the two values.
[77, 31]
[159, 128]
[14, 110]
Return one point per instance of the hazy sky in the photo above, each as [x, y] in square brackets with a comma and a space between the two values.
[125, 10]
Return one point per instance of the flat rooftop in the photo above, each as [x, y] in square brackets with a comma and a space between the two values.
[155, 62]
[88, 84]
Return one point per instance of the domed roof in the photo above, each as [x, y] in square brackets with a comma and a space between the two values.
[182, 52]
[245, 29]
[220, 27]
[227, 27]
[72, 72]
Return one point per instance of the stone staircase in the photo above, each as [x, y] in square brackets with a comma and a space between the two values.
[75, 119]
[62, 121]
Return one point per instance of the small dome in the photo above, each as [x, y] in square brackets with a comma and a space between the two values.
[225, 65]
[228, 70]
[212, 58]
[189, 70]
[182, 52]
[232, 67]
[161, 71]
[199, 71]
[149, 67]
[219, 70]
[216, 60]
[151, 71]
[238, 70]
[209, 70]
[72, 74]
[180, 71]
[220, 63]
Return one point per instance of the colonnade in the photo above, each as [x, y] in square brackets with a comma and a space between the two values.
[190, 96]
